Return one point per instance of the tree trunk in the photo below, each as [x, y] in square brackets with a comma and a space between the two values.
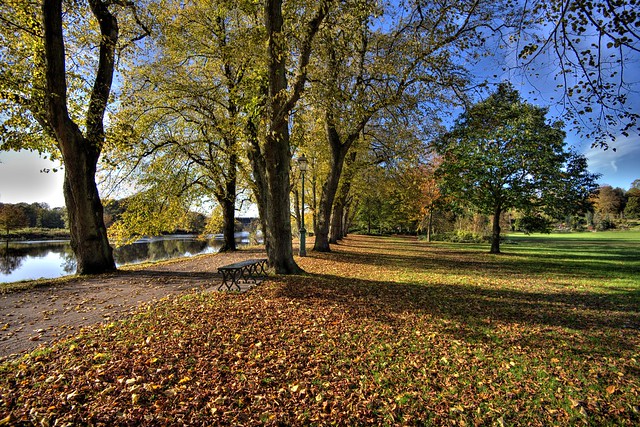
[296, 209]
[429, 225]
[314, 199]
[495, 234]
[346, 219]
[336, 222]
[89, 240]
[330, 186]
[259, 182]
[276, 152]
[228, 225]
[337, 217]
[79, 153]
[229, 202]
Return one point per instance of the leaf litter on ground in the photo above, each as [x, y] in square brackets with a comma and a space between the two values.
[382, 331]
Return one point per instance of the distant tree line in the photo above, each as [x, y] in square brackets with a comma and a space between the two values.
[384, 210]
[614, 207]
[32, 215]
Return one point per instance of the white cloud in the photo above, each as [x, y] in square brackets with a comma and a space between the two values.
[603, 161]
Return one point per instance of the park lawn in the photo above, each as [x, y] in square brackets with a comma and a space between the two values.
[382, 331]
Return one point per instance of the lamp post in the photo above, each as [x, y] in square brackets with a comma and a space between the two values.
[303, 165]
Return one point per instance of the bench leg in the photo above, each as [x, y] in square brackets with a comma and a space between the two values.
[229, 279]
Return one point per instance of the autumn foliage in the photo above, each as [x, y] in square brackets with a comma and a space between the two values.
[382, 331]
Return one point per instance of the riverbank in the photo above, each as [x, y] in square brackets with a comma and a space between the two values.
[36, 234]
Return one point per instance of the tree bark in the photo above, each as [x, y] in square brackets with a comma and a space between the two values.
[228, 205]
[228, 202]
[314, 199]
[296, 209]
[339, 204]
[79, 152]
[495, 234]
[259, 182]
[339, 150]
[277, 150]
[336, 222]
[330, 187]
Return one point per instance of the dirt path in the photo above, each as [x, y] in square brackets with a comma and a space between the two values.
[42, 315]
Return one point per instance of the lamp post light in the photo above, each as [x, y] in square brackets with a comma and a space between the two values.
[303, 165]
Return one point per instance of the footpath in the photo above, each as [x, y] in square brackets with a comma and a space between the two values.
[41, 315]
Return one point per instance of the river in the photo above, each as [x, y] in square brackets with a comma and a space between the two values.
[29, 260]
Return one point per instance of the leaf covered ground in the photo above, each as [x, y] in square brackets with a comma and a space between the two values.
[382, 331]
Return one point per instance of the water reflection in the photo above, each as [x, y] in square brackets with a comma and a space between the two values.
[50, 259]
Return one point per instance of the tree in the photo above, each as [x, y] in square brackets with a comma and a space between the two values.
[427, 196]
[46, 101]
[270, 153]
[632, 208]
[502, 154]
[609, 202]
[187, 108]
[11, 216]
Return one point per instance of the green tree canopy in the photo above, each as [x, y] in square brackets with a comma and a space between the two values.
[503, 154]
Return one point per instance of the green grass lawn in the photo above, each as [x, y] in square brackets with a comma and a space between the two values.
[382, 331]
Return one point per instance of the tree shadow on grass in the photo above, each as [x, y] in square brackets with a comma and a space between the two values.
[588, 323]
[506, 265]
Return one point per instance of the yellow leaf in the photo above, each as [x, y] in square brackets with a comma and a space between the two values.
[294, 388]
[135, 398]
[611, 389]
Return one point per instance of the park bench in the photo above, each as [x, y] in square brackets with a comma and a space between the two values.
[248, 271]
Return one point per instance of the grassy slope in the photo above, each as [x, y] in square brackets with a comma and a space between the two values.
[384, 331]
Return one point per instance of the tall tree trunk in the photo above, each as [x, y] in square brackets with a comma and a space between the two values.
[229, 203]
[259, 182]
[348, 217]
[495, 234]
[228, 223]
[314, 199]
[79, 153]
[277, 148]
[337, 216]
[339, 150]
[329, 189]
[276, 151]
[88, 233]
[429, 225]
[336, 221]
